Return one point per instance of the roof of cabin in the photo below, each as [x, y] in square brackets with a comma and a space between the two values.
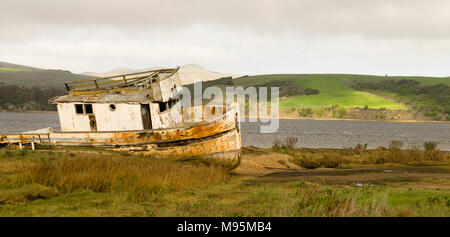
[130, 80]
[119, 96]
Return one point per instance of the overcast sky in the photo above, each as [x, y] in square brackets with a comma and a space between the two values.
[395, 37]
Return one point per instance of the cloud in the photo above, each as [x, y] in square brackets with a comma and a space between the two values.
[382, 18]
[406, 37]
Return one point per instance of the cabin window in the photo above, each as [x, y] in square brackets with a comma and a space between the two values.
[162, 106]
[83, 109]
[79, 109]
[112, 107]
[88, 109]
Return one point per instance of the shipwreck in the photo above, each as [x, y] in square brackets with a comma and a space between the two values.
[141, 112]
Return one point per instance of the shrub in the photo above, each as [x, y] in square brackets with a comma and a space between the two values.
[396, 145]
[305, 112]
[339, 112]
[437, 117]
[330, 161]
[430, 146]
[320, 112]
[276, 145]
[310, 91]
[290, 142]
[308, 162]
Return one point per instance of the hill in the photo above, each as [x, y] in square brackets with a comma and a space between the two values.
[24, 88]
[38, 77]
[353, 95]
[4, 66]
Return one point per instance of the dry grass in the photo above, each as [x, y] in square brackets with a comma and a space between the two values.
[139, 177]
[287, 145]
[312, 159]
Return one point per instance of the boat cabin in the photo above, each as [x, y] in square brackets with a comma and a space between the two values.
[136, 101]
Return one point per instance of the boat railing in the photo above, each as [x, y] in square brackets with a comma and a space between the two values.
[119, 81]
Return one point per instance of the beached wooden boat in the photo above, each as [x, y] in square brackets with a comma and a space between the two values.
[141, 112]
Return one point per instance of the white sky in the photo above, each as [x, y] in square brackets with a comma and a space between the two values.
[395, 37]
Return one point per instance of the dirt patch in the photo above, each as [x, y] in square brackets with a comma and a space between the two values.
[353, 176]
[261, 164]
[275, 167]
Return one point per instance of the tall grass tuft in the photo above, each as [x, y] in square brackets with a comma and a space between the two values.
[430, 146]
[287, 145]
[276, 145]
[290, 142]
[396, 145]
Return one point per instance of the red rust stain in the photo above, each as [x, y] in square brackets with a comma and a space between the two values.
[157, 136]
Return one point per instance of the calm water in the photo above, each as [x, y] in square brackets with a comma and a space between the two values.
[310, 133]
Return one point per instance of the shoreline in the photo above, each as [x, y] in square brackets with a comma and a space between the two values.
[284, 118]
[358, 120]
[32, 111]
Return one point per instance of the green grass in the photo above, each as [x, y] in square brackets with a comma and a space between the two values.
[7, 69]
[239, 198]
[335, 91]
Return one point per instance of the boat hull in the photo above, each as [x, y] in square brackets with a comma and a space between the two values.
[216, 139]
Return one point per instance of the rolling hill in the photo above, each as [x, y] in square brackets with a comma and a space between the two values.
[16, 67]
[334, 89]
[357, 96]
[14, 74]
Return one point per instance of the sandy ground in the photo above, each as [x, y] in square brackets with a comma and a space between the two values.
[262, 164]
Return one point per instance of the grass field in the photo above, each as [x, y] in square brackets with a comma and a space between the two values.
[96, 182]
[335, 91]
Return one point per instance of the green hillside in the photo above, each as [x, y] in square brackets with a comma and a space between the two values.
[335, 91]
[427, 95]
[8, 69]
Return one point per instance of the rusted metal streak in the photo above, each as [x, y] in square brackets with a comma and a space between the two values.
[145, 137]
[226, 142]
[159, 144]
[21, 138]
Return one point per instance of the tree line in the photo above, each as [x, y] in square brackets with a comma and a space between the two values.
[25, 98]
[432, 100]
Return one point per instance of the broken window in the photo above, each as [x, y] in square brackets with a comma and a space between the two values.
[162, 106]
[88, 109]
[83, 109]
[79, 109]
